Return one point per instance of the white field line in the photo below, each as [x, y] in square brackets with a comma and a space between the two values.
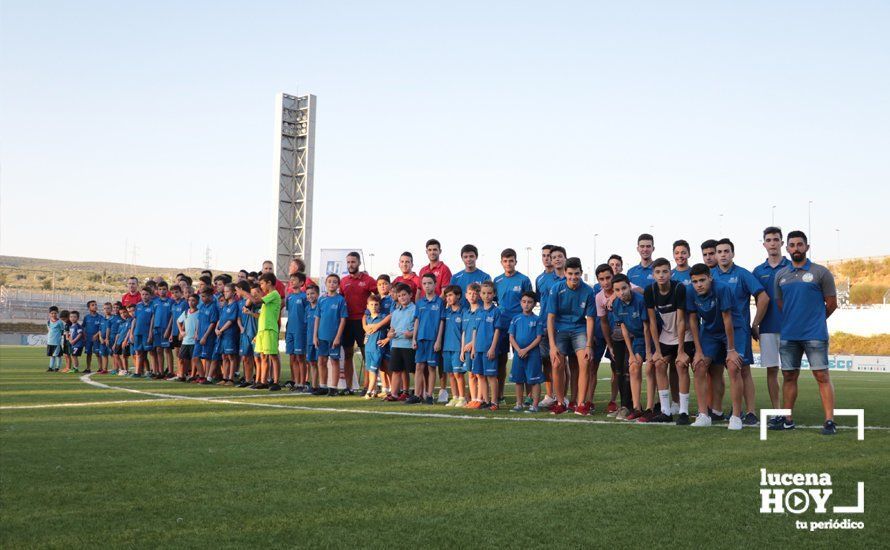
[232, 401]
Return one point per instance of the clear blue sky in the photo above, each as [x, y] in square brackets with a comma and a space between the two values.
[505, 124]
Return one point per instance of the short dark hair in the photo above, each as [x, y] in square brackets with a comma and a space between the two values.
[334, 275]
[600, 268]
[429, 275]
[798, 234]
[91, 302]
[710, 243]
[699, 269]
[402, 287]
[176, 288]
[406, 253]
[187, 279]
[74, 312]
[206, 279]
[726, 240]
[469, 248]
[530, 294]
[313, 286]
[355, 255]
[486, 284]
[269, 278]
[432, 242]
[508, 253]
[227, 278]
[243, 285]
[54, 308]
[548, 247]
[243, 271]
[163, 284]
[621, 277]
[299, 276]
[474, 286]
[207, 272]
[558, 249]
[681, 242]
[219, 278]
[207, 291]
[772, 229]
[453, 289]
[645, 237]
[384, 277]
[253, 274]
[574, 263]
[373, 298]
[661, 262]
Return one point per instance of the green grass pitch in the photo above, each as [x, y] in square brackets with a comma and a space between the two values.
[127, 469]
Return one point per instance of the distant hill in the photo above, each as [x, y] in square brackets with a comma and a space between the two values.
[44, 274]
[869, 278]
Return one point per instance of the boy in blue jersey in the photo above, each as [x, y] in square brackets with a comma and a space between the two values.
[571, 314]
[375, 341]
[247, 327]
[709, 309]
[556, 262]
[104, 353]
[208, 316]
[770, 337]
[632, 317]
[178, 305]
[743, 285]
[125, 338]
[163, 316]
[641, 274]
[384, 290]
[295, 332]
[109, 336]
[470, 274]
[509, 288]
[76, 338]
[55, 330]
[427, 340]
[452, 343]
[526, 332]
[312, 381]
[471, 316]
[680, 273]
[227, 335]
[187, 334]
[330, 319]
[141, 332]
[485, 346]
[91, 329]
[401, 338]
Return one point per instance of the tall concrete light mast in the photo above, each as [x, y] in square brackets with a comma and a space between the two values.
[294, 169]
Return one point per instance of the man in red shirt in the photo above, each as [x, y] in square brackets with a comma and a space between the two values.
[297, 265]
[437, 268]
[355, 287]
[132, 296]
[269, 267]
[406, 264]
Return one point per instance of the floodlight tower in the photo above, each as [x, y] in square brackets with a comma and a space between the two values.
[294, 174]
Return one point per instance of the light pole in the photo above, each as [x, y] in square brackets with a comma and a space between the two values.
[773, 215]
[595, 235]
[370, 262]
[838, 233]
[721, 226]
[810, 227]
[528, 251]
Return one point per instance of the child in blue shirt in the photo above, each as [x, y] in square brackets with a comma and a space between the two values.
[471, 314]
[485, 342]
[427, 340]
[247, 327]
[295, 333]
[452, 344]
[401, 338]
[228, 335]
[125, 330]
[208, 316]
[330, 319]
[55, 329]
[141, 332]
[92, 323]
[312, 382]
[375, 341]
[160, 326]
[76, 339]
[629, 309]
[527, 372]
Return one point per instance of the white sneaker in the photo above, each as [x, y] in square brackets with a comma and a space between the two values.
[702, 421]
[443, 396]
[735, 423]
[451, 403]
[675, 408]
[546, 402]
[461, 403]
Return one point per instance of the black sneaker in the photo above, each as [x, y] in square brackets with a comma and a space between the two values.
[717, 417]
[289, 384]
[50, 369]
[781, 423]
[332, 392]
[244, 384]
[320, 391]
[274, 387]
[262, 387]
[750, 419]
[661, 418]
[413, 400]
[208, 382]
[829, 428]
[428, 400]
[363, 392]
[87, 371]
[683, 419]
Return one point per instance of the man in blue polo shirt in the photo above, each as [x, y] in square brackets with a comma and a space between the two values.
[807, 297]
[571, 314]
[771, 324]
[631, 315]
[554, 272]
[509, 288]
[709, 306]
[743, 285]
[641, 274]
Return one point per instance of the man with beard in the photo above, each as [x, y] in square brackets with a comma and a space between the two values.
[355, 287]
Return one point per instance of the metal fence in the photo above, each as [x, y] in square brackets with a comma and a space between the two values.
[32, 305]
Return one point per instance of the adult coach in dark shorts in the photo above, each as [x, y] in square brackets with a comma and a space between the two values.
[355, 287]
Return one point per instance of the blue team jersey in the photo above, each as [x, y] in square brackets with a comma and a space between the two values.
[124, 328]
[402, 321]
[543, 285]
[641, 276]
[465, 278]
[92, 324]
[310, 321]
[386, 305]
[229, 312]
[296, 313]
[454, 321]
[207, 315]
[743, 285]
[330, 310]
[525, 328]
[681, 276]
[571, 306]
[429, 315]
[509, 291]
[248, 321]
[111, 326]
[177, 308]
[375, 336]
[75, 331]
[54, 331]
[486, 323]
[632, 315]
[469, 322]
[710, 308]
[142, 324]
[163, 312]
[802, 291]
[103, 326]
[766, 276]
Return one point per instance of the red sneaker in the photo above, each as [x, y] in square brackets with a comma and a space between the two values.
[402, 397]
[572, 405]
[390, 398]
[636, 413]
[591, 408]
[646, 416]
[582, 409]
[558, 408]
[611, 407]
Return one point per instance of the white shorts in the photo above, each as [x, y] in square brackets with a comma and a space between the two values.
[769, 349]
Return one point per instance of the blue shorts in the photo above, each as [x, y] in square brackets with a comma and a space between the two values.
[639, 346]
[91, 346]
[791, 352]
[325, 349]
[743, 344]
[216, 353]
[140, 343]
[245, 347]
[425, 353]
[568, 343]
[713, 348]
[158, 339]
[311, 352]
[528, 370]
[484, 366]
[451, 362]
[228, 342]
[204, 351]
[373, 356]
[295, 343]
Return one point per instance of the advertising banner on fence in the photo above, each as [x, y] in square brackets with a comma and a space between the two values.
[333, 260]
[853, 363]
